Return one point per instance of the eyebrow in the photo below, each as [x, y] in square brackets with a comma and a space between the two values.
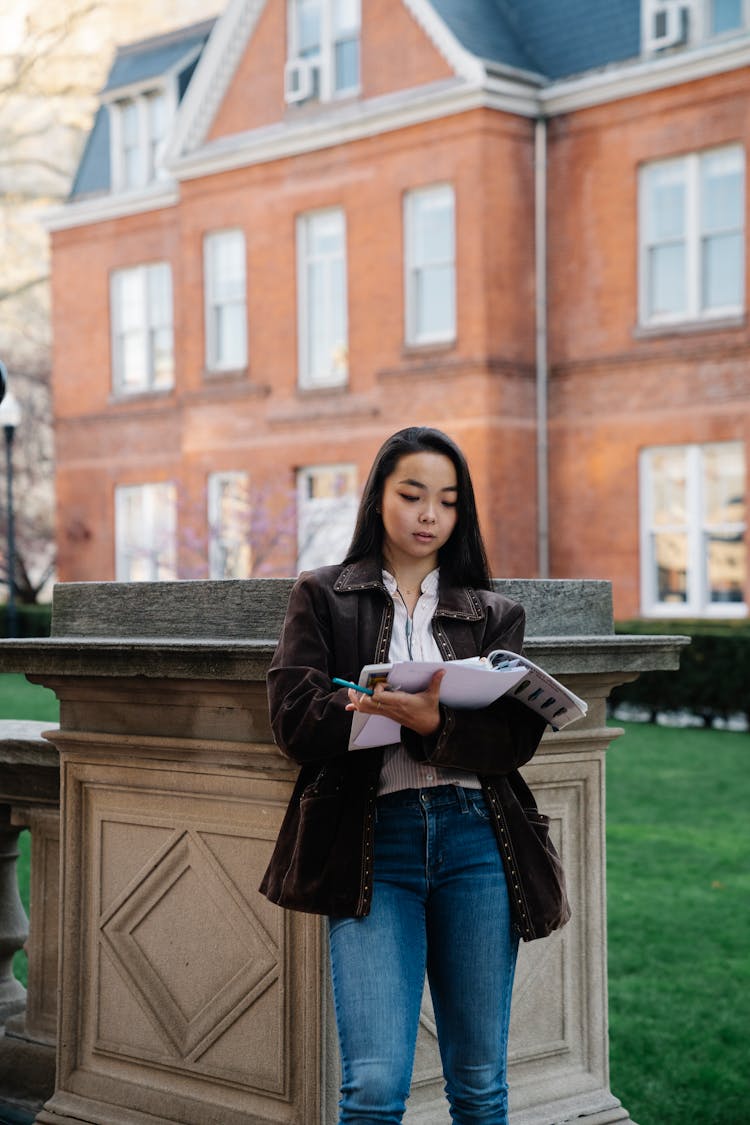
[418, 484]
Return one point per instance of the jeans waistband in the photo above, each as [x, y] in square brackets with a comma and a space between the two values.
[435, 796]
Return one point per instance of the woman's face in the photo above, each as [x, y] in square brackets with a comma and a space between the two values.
[418, 508]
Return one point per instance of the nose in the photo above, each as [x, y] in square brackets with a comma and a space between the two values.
[428, 515]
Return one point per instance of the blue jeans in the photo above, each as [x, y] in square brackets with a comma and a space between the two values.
[440, 904]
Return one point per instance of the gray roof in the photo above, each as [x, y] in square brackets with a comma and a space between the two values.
[136, 63]
[554, 38]
[150, 58]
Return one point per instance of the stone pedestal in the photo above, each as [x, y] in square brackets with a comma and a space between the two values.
[185, 997]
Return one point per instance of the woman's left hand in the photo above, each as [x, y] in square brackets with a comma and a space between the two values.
[420, 711]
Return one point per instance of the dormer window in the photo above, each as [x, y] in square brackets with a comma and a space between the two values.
[323, 38]
[138, 132]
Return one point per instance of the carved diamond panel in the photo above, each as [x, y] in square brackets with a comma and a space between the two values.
[188, 946]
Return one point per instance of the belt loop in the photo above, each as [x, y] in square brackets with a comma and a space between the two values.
[461, 795]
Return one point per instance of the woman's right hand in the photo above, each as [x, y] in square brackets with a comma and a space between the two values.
[419, 711]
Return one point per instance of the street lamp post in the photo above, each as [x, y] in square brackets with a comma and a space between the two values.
[10, 417]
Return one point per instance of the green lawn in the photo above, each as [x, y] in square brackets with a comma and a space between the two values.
[21, 700]
[679, 888]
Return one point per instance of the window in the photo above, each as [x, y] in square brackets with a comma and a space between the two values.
[145, 533]
[678, 23]
[142, 338]
[430, 265]
[725, 15]
[326, 512]
[323, 49]
[693, 526]
[230, 554]
[322, 299]
[692, 236]
[226, 314]
[139, 130]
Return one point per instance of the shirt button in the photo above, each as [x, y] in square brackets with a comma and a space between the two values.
[430, 777]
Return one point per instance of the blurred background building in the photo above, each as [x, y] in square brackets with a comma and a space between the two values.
[300, 227]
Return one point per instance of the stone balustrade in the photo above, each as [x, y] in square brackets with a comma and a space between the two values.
[184, 996]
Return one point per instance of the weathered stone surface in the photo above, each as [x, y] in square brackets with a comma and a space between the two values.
[186, 997]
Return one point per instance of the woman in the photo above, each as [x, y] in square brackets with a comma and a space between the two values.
[420, 853]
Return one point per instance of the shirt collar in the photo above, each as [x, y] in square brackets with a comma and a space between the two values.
[429, 582]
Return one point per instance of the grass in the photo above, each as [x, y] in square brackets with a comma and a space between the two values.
[21, 700]
[679, 885]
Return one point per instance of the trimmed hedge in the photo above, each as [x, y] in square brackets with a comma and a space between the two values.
[32, 620]
[714, 673]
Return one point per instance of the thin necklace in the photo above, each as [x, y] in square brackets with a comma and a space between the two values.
[409, 625]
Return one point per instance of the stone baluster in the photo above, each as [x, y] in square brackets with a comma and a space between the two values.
[14, 925]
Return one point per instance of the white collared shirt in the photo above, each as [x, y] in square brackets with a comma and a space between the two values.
[412, 639]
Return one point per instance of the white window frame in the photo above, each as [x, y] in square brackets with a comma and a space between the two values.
[693, 237]
[338, 372]
[314, 76]
[150, 148]
[146, 275]
[157, 499]
[343, 508]
[217, 533]
[695, 527]
[214, 304]
[686, 23]
[413, 269]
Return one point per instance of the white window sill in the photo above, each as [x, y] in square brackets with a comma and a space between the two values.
[689, 327]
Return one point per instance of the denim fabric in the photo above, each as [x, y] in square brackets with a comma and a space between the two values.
[440, 904]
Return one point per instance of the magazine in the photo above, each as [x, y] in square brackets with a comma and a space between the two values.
[471, 683]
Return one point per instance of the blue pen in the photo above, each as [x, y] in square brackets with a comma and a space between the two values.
[348, 683]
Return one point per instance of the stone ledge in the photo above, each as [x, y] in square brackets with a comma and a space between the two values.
[229, 659]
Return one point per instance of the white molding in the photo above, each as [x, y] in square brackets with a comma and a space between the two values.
[628, 80]
[466, 65]
[213, 75]
[114, 206]
[333, 127]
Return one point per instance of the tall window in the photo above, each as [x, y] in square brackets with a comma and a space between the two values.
[692, 236]
[226, 311]
[326, 512]
[139, 130]
[230, 553]
[430, 265]
[322, 299]
[142, 337]
[323, 49]
[145, 532]
[693, 529]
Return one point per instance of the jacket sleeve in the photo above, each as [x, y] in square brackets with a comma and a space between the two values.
[488, 740]
[309, 719]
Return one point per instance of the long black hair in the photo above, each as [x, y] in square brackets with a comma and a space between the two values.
[463, 559]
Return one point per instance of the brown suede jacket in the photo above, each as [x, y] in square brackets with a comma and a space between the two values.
[340, 618]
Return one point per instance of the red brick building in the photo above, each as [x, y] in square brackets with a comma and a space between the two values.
[314, 221]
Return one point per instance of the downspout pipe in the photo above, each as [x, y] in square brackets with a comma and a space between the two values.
[542, 370]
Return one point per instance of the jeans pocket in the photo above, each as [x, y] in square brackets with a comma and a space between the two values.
[478, 806]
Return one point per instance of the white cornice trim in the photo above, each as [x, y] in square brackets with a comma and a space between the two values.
[117, 205]
[213, 75]
[466, 65]
[628, 80]
[350, 123]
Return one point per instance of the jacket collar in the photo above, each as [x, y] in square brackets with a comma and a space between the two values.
[454, 601]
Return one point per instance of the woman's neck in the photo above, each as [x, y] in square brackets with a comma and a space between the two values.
[409, 577]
